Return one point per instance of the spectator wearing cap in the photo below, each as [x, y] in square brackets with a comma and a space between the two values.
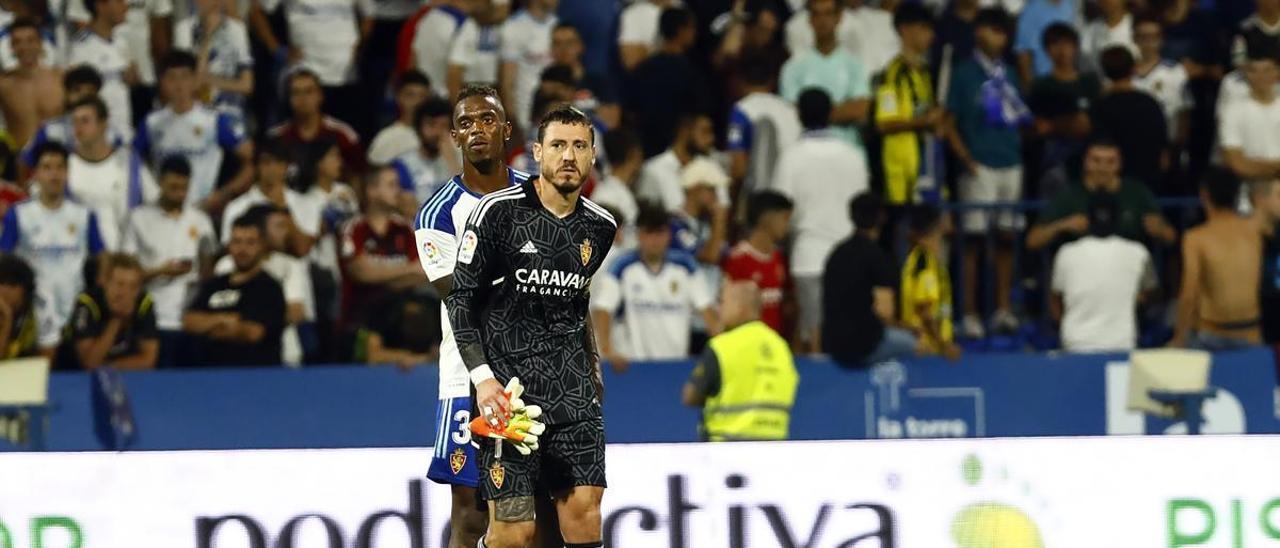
[758, 257]
[1098, 313]
[858, 288]
[176, 245]
[987, 115]
[926, 284]
[667, 86]
[474, 55]
[831, 68]
[701, 226]
[1247, 127]
[289, 271]
[114, 325]
[412, 89]
[660, 175]
[1065, 218]
[650, 295]
[905, 109]
[821, 173]
[1133, 118]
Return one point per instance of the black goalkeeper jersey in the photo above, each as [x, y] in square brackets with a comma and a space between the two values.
[520, 292]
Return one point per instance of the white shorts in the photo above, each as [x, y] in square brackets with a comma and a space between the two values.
[987, 186]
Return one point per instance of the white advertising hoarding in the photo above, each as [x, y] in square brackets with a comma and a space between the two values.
[1116, 492]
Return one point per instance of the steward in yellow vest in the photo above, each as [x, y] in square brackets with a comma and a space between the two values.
[745, 382]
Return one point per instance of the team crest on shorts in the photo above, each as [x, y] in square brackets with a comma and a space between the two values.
[585, 252]
[457, 460]
[497, 474]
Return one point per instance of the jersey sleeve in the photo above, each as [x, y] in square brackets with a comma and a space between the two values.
[403, 175]
[479, 254]
[437, 252]
[606, 293]
[230, 131]
[740, 131]
[144, 326]
[10, 234]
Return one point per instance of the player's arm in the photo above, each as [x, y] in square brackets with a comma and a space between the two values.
[473, 275]
[593, 355]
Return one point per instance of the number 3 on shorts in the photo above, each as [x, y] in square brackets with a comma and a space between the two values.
[463, 435]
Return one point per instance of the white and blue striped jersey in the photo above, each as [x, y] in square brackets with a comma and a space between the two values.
[111, 59]
[437, 230]
[59, 130]
[200, 135]
[421, 175]
[56, 243]
[111, 188]
[658, 308]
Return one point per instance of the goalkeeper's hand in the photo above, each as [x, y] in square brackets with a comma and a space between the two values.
[520, 427]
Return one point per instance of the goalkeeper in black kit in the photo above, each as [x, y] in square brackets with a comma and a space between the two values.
[519, 309]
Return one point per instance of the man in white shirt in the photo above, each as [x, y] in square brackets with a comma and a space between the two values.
[325, 37]
[474, 57]
[1247, 130]
[220, 43]
[1113, 27]
[526, 50]
[1098, 312]
[638, 36]
[433, 38]
[98, 46]
[1165, 80]
[176, 245]
[56, 236]
[272, 187]
[422, 171]
[412, 89]
[761, 126]
[821, 174]
[188, 128]
[660, 176]
[108, 178]
[145, 32]
[655, 292]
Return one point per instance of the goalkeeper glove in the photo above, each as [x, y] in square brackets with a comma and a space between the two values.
[522, 428]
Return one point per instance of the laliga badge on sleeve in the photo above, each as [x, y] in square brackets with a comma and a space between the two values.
[467, 250]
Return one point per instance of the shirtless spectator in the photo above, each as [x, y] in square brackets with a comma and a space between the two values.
[1218, 305]
[30, 93]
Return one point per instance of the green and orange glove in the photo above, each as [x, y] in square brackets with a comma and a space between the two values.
[522, 428]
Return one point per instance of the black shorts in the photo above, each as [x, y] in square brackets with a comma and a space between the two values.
[569, 455]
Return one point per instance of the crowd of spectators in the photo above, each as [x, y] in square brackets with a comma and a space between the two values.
[228, 183]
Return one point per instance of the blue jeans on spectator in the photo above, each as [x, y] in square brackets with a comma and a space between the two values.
[895, 344]
[1201, 340]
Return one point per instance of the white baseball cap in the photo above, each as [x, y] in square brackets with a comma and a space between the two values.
[703, 171]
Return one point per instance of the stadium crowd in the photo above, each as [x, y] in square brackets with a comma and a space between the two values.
[235, 183]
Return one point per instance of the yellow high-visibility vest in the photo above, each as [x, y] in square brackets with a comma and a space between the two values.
[757, 385]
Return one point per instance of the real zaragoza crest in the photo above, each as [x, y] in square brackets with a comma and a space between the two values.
[457, 460]
[585, 252]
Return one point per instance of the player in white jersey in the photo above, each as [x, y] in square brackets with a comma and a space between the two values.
[481, 129]
[188, 128]
[56, 236]
[98, 46]
[422, 170]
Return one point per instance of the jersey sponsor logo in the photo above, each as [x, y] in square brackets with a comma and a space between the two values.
[529, 247]
[430, 251]
[226, 298]
[585, 252]
[457, 460]
[554, 283]
[467, 250]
